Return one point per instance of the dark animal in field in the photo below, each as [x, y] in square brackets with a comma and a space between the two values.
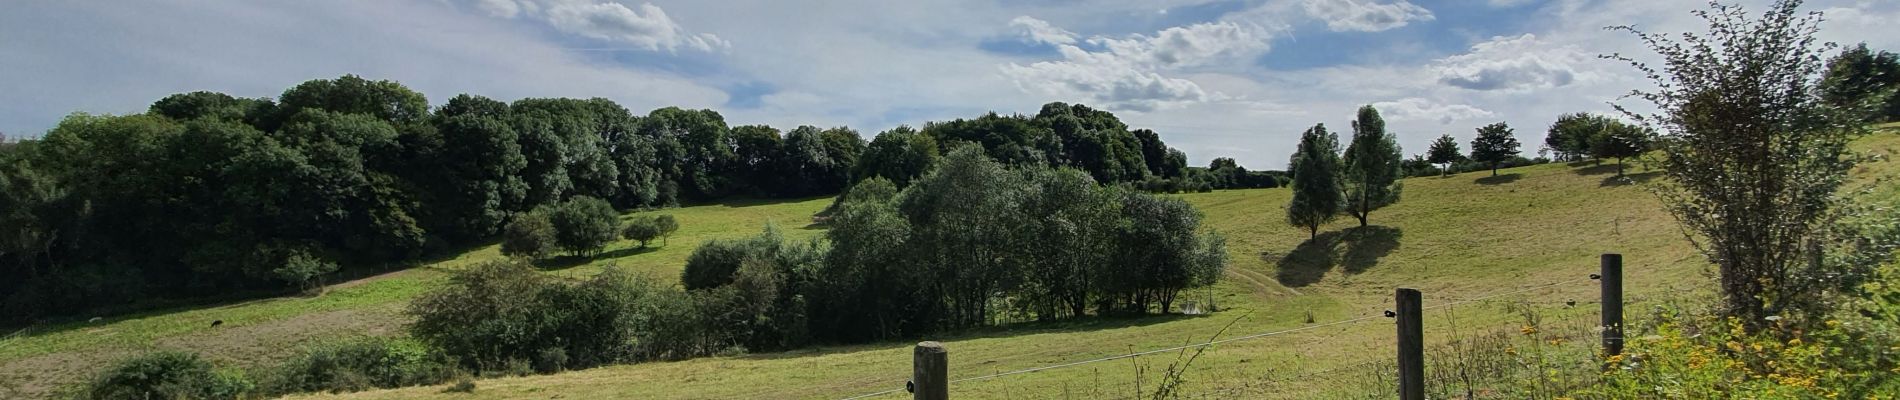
[215, 323]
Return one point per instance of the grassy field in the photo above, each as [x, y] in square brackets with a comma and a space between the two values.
[1455, 238]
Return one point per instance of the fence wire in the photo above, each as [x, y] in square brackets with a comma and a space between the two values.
[1240, 338]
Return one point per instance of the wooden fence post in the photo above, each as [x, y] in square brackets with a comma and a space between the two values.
[930, 372]
[1612, 280]
[1411, 345]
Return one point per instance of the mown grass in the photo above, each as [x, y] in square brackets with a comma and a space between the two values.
[1455, 238]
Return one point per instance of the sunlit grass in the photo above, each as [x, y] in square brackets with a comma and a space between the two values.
[1454, 238]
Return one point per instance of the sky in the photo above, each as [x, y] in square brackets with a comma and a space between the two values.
[1221, 78]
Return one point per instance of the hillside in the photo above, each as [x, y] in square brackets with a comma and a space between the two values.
[1455, 238]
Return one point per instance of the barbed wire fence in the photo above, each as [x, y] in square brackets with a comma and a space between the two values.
[1457, 363]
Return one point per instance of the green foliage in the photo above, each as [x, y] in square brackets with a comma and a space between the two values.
[166, 375]
[359, 364]
[644, 229]
[583, 225]
[1372, 170]
[1864, 81]
[529, 235]
[303, 269]
[480, 164]
[1572, 135]
[972, 242]
[499, 314]
[1444, 152]
[1317, 196]
[714, 263]
[1702, 357]
[900, 155]
[1494, 145]
[1752, 153]
[667, 225]
[1620, 141]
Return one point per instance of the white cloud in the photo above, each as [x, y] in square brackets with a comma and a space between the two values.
[1365, 15]
[136, 54]
[1127, 72]
[1513, 64]
[1414, 108]
[1039, 31]
[646, 26]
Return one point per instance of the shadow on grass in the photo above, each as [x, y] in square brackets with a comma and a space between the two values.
[1093, 323]
[1354, 250]
[1500, 179]
[743, 202]
[1596, 169]
[1629, 179]
[565, 262]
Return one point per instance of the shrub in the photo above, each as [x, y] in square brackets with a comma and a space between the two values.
[167, 375]
[505, 317]
[641, 229]
[583, 225]
[528, 235]
[360, 364]
[714, 263]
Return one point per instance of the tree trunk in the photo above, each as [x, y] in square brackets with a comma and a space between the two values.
[1619, 167]
[1494, 169]
[1362, 218]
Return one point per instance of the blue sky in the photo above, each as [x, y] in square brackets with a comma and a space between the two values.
[1220, 78]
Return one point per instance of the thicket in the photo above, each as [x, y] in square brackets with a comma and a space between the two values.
[206, 193]
[167, 375]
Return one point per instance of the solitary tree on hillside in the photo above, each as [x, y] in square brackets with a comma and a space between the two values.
[1494, 144]
[1444, 151]
[667, 226]
[1752, 153]
[583, 225]
[1620, 141]
[1315, 170]
[1372, 166]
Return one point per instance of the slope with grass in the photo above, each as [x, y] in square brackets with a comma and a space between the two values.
[41, 359]
[1456, 238]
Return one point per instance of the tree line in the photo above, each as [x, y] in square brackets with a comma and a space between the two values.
[207, 193]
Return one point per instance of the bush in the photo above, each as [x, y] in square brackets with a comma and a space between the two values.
[505, 317]
[583, 225]
[167, 375]
[360, 364]
[528, 235]
[641, 229]
[714, 263]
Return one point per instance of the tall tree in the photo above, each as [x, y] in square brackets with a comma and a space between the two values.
[481, 157]
[1444, 152]
[899, 155]
[1372, 161]
[1495, 144]
[1859, 78]
[760, 153]
[1317, 198]
[1752, 153]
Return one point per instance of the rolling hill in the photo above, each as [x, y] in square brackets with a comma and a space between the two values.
[1535, 230]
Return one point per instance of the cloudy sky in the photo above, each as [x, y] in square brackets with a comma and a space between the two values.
[1222, 78]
